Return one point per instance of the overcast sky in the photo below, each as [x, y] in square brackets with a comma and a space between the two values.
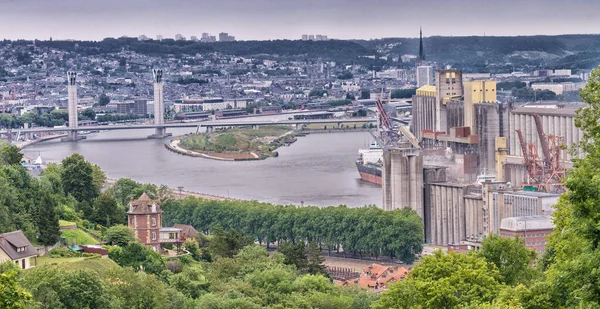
[289, 19]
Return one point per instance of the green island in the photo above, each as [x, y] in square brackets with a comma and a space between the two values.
[236, 143]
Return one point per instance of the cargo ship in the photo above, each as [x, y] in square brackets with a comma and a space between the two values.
[369, 163]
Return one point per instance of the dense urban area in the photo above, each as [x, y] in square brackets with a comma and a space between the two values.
[484, 149]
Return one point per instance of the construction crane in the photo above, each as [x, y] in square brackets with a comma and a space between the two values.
[387, 136]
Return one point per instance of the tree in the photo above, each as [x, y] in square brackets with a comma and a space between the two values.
[444, 281]
[137, 256]
[191, 245]
[365, 94]
[350, 97]
[120, 235]
[103, 100]
[12, 296]
[78, 179]
[573, 271]
[315, 259]
[107, 212]
[88, 113]
[403, 93]
[510, 256]
[10, 154]
[295, 254]
[48, 225]
[227, 243]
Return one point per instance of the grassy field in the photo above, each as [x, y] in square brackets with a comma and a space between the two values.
[237, 139]
[101, 265]
[78, 236]
[47, 260]
[64, 223]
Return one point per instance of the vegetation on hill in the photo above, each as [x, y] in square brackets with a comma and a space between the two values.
[262, 141]
[77, 236]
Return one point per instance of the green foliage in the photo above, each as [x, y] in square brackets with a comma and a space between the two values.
[572, 270]
[317, 93]
[367, 230]
[510, 256]
[78, 236]
[87, 114]
[365, 94]
[345, 75]
[295, 254]
[444, 281]
[137, 256]
[403, 93]
[48, 226]
[227, 243]
[238, 139]
[107, 212]
[78, 179]
[528, 94]
[78, 288]
[12, 296]
[119, 235]
[103, 100]
[510, 85]
[191, 245]
[10, 154]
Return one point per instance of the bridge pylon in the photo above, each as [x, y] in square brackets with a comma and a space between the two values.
[159, 105]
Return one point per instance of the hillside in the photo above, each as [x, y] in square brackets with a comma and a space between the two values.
[473, 52]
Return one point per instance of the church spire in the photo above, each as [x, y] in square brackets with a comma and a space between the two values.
[421, 53]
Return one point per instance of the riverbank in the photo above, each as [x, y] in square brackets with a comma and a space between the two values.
[24, 144]
[175, 193]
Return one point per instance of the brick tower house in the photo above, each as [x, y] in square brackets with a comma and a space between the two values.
[145, 218]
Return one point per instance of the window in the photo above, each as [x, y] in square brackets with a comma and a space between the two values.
[153, 235]
[153, 221]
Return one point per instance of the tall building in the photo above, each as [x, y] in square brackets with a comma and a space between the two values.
[225, 37]
[145, 218]
[311, 37]
[424, 75]
[448, 86]
[476, 92]
[423, 110]
[179, 37]
[159, 37]
[305, 37]
[140, 107]
[194, 38]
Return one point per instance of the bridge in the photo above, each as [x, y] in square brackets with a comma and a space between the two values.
[159, 124]
[201, 124]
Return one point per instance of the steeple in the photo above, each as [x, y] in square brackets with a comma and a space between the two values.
[421, 54]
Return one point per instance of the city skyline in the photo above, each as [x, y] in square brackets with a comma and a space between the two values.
[258, 20]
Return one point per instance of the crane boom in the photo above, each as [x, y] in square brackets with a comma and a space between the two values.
[543, 140]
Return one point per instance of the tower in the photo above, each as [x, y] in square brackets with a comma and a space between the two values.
[72, 107]
[421, 52]
[145, 218]
[159, 105]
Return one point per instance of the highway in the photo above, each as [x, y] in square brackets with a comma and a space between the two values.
[201, 124]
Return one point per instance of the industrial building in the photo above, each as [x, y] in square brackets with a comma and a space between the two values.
[557, 123]
[423, 107]
[532, 229]
[424, 75]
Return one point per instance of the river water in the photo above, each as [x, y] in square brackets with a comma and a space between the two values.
[318, 169]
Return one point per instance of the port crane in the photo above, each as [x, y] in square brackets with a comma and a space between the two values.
[545, 174]
[388, 135]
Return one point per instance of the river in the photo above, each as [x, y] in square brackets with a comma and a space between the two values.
[318, 169]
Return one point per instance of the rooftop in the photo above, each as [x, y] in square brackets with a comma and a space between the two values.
[529, 223]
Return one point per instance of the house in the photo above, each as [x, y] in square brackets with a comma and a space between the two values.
[187, 231]
[14, 246]
[376, 277]
[145, 218]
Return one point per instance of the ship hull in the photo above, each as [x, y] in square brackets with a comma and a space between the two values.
[370, 174]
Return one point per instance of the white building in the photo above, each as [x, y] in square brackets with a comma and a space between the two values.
[425, 76]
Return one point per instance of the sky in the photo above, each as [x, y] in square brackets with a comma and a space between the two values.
[289, 19]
